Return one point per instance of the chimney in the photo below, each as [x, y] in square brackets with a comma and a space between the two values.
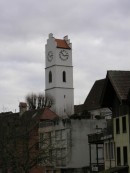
[22, 107]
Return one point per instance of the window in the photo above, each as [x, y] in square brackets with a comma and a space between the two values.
[109, 150]
[60, 134]
[112, 150]
[125, 155]
[61, 156]
[118, 156]
[64, 76]
[50, 76]
[124, 124]
[117, 126]
[46, 123]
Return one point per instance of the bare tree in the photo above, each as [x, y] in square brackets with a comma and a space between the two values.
[38, 101]
[20, 147]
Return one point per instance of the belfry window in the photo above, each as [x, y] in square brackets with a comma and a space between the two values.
[64, 76]
[50, 76]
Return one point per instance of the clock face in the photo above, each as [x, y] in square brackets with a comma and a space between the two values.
[63, 54]
[50, 56]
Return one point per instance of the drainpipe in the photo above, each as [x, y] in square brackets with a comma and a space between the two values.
[97, 153]
[90, 158]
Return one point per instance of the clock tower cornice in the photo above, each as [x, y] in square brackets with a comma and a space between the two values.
[59, 66]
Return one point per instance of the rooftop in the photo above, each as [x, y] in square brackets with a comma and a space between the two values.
[93, 99]
[121, 82]
[62, 44]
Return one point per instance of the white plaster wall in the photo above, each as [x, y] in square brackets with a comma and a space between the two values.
[80, 148]
[61, 103]
[52, 46]
[57, 78]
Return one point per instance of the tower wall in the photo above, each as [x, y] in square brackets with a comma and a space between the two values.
[59, 74]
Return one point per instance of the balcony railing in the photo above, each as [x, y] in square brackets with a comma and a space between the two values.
[95, 137]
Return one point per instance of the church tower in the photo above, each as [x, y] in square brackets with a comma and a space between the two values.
[59, 74]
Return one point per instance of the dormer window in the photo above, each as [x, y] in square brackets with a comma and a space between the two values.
[50, 76]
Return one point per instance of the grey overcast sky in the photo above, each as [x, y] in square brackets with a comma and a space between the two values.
[98, 29]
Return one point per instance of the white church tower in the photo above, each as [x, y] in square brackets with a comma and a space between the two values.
[59, 74]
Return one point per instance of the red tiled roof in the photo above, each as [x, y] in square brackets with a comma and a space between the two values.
[48, 115]
[62, 44]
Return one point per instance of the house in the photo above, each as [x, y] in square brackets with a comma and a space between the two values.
[93, 106]
[116, 97]
[19, 140]
[68, 137]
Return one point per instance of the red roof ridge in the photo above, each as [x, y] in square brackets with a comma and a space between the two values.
[48, 114]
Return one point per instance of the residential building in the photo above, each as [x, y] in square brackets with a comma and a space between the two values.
[19, 134]
[68, 137]
[116, 97]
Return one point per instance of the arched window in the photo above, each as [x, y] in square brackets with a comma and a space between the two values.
[50, 76]
[64, 76]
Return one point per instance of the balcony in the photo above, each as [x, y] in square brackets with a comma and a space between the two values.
[96, 138]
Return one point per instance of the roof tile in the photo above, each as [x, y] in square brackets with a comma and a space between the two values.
[121, 82]
[62, 44]
[93, 99]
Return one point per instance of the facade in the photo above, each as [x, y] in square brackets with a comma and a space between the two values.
[116, 97]
[105, 139]
[69, 141]
[80, 149]
[57, 134]
[109, 152]
[59, 74]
